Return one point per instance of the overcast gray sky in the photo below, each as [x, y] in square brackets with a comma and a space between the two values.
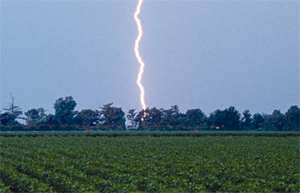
[198, 54]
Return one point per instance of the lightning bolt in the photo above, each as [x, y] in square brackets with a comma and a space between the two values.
[137, 53]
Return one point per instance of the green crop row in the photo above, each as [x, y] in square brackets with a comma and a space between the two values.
[4, 187]
[152, 134]
[81, 163]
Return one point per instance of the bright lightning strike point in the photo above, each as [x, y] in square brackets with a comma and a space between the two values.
[137, 53]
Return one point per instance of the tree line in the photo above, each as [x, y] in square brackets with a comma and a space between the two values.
[114, 118]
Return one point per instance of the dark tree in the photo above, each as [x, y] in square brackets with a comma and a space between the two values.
[150, 118]
[8, 119]
[258, 121]
[246, 120]
[293, 116]
[13, 110]
[227, 119]
[87, 117]
[276, 121]
[171, 116]
[64, 110]
[131, 116]
[217, 118]
[112, 116]
[195, 118]
[140, 117]
[33, 116]
[49, 120]
[153, 116]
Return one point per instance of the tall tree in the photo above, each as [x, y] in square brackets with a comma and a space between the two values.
[8, 119]
[246, 120]
[258, 121]
[87, 117]
[293, 116]
[277, 120]
[33, 116]
[12, 113]
[141, 116]
[227, 119]
[64, 110]
[112, 116]
[171, 116]
[217, 118]
[49, 120]
[131, 116]
[14, 110]
[195, 118]
[154, 116]
[149, 116]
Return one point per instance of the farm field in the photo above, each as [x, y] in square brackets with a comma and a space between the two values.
[80, 163]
